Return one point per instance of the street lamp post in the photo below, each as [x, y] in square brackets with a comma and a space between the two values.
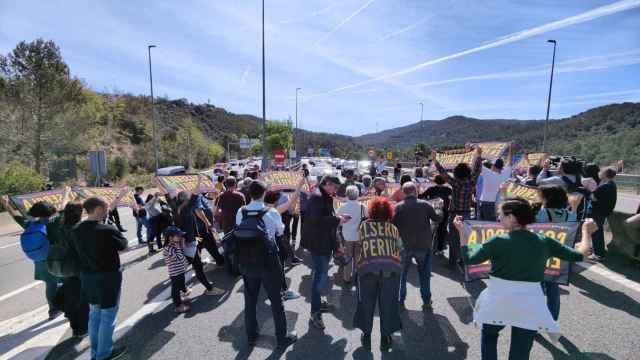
[295, 147]
[153, 117]
[421, 112]
[546, 122]
[264, 105]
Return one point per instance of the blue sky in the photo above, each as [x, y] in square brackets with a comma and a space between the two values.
[359, 62]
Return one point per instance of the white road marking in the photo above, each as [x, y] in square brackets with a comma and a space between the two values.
[609, 275]
[18, 331]
[20, 290]
[10, 245]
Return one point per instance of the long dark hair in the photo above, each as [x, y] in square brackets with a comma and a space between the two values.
[72, 214]
[592, 171]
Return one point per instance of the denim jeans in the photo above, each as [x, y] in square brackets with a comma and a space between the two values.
[423, 258]
[552, 291]
[521, 342]
[102, 323]
[140, 222]
[320, 268]
[598, 237]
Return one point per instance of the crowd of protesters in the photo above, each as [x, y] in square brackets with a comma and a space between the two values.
[380, 228]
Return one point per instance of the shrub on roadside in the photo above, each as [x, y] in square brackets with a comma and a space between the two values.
[17, 178]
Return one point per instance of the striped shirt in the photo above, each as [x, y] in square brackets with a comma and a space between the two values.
[175, 260]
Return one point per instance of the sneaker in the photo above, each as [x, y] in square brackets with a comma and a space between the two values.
[365, 340]
[214, 292]
[79, 334]
[296, 261]
[386, 343]
[428, 307]
[287, 341]
[325, 306]
[182, 309]
[186, 294]
[316, 321]
[290, 295]
[54, 314]
[117, 353]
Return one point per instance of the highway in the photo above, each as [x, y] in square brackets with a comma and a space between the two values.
[600, 316]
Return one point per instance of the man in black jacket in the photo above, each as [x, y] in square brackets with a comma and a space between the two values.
[603, 202]
[413, 218]
[97, 245]
[319, 238]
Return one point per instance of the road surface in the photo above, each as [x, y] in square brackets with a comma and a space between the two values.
[600, 316]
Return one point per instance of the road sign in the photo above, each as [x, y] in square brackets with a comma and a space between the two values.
[279, 156]
[389, 155]
[293, 154]
[98, 163]
[245, 143]
[324, 152]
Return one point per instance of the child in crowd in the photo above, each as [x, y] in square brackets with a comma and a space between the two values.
[177, 265]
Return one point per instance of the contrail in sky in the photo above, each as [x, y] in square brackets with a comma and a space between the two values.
[403, 30]
[343, 22]
[606, 10]
[613, 60]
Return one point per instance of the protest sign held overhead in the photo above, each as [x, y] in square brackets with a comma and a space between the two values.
[490, 151]
[283, 180]
[107, 194]
[184, 183]
[479, 232]
[513, 189]
[528, 160]
[54, 197]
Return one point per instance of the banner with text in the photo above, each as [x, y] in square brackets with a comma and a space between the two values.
[108, 194]
[24, 202]
[283, 180]
[529, 160]
[184, 182]
[514, 189]
[479, 232]
[490, 150]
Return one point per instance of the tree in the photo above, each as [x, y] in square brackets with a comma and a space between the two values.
[279, 135]
[38, 81]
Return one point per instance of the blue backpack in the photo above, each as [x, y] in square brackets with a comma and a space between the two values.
[34, 241]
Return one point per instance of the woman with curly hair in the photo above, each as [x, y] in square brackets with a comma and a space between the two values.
[378, 273]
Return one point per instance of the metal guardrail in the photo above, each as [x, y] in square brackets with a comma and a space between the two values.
[628, 181]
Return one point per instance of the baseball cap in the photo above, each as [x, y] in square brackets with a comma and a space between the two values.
[173, 231]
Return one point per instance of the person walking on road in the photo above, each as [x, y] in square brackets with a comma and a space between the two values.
[228, 204]
[413, 219]
[513, 296]
[463, 185]
[378, 274]
[177, 265]
[603, 202]
[256, 229]
[97, 245]
[357, 213]
[442, 192]
[186, 221]
[319, 238]
[140, 213]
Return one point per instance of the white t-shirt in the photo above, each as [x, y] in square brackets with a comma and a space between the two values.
[350, 228]
[272, 219]
[491, 182]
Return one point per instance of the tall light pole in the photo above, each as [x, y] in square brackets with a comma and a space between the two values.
[421, 112]
[546, 122]
[295, 147]
[265, 164]
[153, 116]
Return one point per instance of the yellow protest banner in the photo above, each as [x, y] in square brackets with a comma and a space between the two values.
[107, 194]
[529, 160]
[185, 183]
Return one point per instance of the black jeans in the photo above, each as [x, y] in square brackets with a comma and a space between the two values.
[154, 232]
[440, 237]
[114, 217]
[598, 237]
[177, 285]
[196, 262]
[383, 290]
[271, 280]
[209, 243]
[521, 342]
[488, 211]
[291, 228]
[74, 305]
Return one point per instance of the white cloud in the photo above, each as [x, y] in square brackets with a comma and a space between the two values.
[343, 22]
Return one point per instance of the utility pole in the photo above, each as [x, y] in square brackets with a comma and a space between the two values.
[546, 122]
[153, 110]
[295, 131]
[265, 163]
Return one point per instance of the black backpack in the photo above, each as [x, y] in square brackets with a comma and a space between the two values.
[577, 188]
[250, 237]
[62, 260]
